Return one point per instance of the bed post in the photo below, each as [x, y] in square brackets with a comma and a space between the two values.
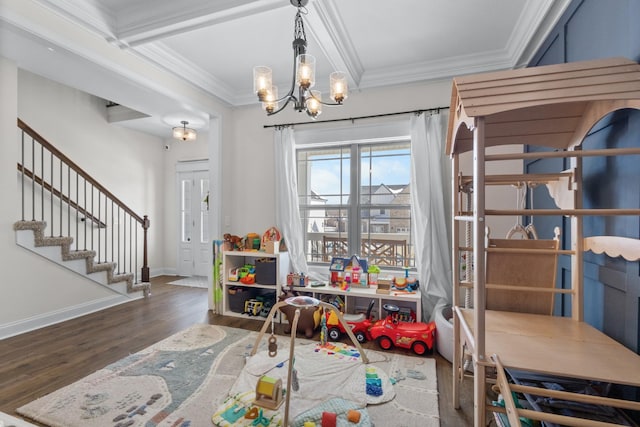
[577, 244]
[479, 271]
[458, 375]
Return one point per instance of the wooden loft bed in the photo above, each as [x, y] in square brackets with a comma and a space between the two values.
[552, 107]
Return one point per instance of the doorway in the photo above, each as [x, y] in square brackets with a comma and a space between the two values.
[194, 252]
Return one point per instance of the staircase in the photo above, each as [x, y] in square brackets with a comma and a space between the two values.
[71, 219]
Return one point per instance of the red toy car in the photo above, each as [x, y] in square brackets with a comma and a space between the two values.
[390, 332]
[359, 324]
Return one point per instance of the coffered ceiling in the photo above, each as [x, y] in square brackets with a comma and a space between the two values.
[212, 45]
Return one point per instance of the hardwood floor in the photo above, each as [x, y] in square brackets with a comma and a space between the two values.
[36, 363]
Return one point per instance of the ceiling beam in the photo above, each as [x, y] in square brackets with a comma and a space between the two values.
[327, 27]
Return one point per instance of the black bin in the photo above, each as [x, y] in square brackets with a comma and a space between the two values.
[237, 295]
[266, 271]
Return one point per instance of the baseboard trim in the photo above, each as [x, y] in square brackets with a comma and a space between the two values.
[46, 319]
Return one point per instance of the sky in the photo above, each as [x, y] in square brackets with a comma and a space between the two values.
[391, 169]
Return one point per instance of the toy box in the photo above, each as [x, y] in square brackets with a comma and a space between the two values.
[266, 271]
[384, 285]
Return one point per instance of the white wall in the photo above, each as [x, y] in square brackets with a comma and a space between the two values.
[34, 291]
[248, 173]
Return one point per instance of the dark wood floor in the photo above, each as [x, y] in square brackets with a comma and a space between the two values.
[39, 362]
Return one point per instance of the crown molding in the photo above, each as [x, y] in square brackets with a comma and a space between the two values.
[91, 14]
[446, 68]
[327, 27]
[172, 62]
[547, 16]
[153, 20]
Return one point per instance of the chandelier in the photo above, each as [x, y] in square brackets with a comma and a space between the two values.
[184, 133]
[304, 69]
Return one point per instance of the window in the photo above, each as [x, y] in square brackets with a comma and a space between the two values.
[355, 199]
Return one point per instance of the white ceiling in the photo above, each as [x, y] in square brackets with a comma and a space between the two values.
[212, 45]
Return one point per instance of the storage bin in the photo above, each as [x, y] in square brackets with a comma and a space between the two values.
[237, 295]
[266, 271]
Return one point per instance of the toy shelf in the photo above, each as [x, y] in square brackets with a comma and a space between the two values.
[357, 299]
[235, 293]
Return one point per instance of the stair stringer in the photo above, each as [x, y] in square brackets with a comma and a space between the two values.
[73, 260]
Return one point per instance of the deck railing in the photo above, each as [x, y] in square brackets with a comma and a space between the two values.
[382, 249]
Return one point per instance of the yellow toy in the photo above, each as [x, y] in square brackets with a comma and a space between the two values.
[269, 392]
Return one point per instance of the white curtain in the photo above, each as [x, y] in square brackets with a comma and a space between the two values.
[431, 210]
[287, 208]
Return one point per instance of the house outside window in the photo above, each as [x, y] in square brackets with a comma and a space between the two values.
[354, 199]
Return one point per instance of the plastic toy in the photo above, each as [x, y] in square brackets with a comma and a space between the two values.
[373, 272]
[269, 392]
[266, 307]
[359, 324]
[329, 419]
[390, 332]
[248, 279]
[233, 275]
[252, 307]
[309, 317]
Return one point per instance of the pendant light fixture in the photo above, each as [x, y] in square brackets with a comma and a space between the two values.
[184, 133]
[300, 93]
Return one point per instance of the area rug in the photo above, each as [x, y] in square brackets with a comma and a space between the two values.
[193, 281]
[184, 379]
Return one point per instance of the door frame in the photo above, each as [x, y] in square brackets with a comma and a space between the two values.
[199, 165]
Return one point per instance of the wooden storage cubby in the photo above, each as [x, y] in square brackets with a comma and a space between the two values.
[236, 259]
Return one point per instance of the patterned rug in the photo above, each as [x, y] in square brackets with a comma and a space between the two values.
[182, 380]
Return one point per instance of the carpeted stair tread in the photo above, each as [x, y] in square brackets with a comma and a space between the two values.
[92, 267]
[78, 255]
[65, 242]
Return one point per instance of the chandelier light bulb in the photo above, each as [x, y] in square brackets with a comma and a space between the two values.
[339, 86]
[262, 81]
[314, 104]
[306, 66]
[270, 103]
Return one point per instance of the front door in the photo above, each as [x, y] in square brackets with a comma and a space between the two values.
[193, 223]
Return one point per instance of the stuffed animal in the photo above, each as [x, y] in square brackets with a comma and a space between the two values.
[234, 241]
[309, 318]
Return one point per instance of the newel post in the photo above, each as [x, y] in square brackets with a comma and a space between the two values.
[145, 263]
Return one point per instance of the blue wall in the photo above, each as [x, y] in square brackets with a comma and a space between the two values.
[593, 29]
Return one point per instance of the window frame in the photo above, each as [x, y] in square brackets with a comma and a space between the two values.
[354, 207]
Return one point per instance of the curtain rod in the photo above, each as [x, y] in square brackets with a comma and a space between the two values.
[435, 109]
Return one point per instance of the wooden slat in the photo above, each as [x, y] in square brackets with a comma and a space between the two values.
[550, 80]
[564, 420]
[563, 154]
[572, 212]
[576, 397]
[559, 97]
[519, 91]
[511, 179]
[527, 289]
[609, 64]
[562, 88]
